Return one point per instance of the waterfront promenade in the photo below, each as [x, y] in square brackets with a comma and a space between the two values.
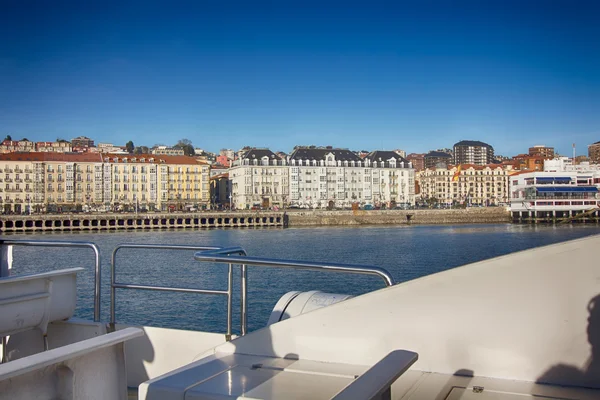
[245, 219]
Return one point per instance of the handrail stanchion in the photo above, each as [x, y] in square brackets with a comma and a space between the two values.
[229, 301]
[113, 289]
[244, 300]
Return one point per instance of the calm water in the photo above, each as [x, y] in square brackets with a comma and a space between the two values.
[406, 252]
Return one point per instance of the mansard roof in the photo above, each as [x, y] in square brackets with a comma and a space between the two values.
[308, 153]
[258, 154]
[380, 155]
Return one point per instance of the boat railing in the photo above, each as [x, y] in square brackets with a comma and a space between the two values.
[223, 255]
[4, 261]
[121, 285]
[236, 255]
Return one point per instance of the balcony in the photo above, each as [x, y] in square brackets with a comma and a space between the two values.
[8, 170]
[14, 190]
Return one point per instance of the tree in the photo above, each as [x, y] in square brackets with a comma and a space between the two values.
[8, 137]
[61, 140]
[141, 150]
[24, 140]
[129, 147]
[186, 146]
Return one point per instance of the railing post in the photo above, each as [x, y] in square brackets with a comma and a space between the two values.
[112, 288]
[229, 301]
[244, 300]
[5, 259]
[98, 282]
[5, 267]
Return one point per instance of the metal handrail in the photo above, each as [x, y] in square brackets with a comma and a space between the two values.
[116, 285]
[53, 243]
[223, 255]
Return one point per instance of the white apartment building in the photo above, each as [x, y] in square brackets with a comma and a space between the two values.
[168, 151]
[392, 178]
[329, 177]
[470, 185]
[259, 178]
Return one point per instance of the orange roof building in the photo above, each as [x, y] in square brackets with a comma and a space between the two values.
[40, 181]
[466, 184]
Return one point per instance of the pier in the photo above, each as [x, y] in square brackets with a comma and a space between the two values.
[141, 221]
[591, 215]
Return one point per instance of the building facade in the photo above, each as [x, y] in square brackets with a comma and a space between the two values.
[259, 179]
[469, 185]
[437, 159]
[167, 151]
[220, 192]
[54, 182]
[527, 162]
[13, 146]
[82, 141]
[561, 190]
[542, 151]
[53, 147]
[473, 152]
[594, 152]
[337, 178]
[417, 160]
[18, 189]
[392, 179]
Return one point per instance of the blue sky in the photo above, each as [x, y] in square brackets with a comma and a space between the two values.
[415, 75]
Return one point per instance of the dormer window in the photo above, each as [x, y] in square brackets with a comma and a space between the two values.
[125, 159]
[152, 160]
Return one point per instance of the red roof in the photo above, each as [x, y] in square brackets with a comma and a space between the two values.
[44, 156]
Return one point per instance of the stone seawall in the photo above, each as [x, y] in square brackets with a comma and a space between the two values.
[400, 217]
[248, 219]
[145, 221]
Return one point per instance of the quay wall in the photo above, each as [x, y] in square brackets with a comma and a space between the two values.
[145, 221]
[241, 219]
[400, 217]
